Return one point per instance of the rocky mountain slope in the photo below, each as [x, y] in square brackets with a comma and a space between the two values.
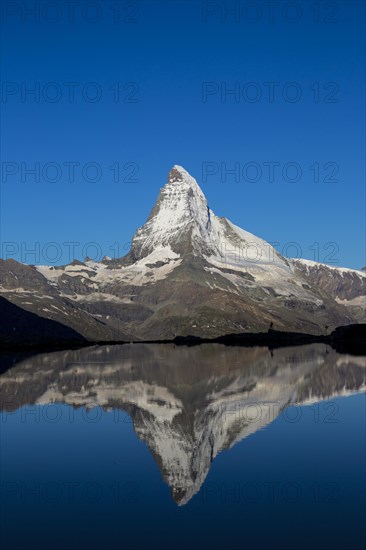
[347, 286]
[188, 272]
[186, 404]
[33, 330]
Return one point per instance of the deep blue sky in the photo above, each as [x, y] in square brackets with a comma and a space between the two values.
[168, 50]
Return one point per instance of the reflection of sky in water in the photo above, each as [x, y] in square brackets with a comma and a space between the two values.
[78, 478]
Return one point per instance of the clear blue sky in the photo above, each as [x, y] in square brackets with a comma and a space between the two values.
[167, 115]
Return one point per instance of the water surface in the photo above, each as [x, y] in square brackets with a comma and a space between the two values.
[159, 446]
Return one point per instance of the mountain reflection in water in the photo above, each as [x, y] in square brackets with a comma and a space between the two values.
[186, 403]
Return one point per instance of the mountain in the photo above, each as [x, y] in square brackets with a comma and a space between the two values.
[346, 286]
[189, 272]
[33, 330]
[186, 404]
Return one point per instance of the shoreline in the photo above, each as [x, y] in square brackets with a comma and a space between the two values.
[345, 339]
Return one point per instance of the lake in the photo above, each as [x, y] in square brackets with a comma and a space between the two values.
[174, 447]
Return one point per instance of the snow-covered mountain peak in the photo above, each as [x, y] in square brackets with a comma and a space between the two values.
[180, 212]
[182, 222]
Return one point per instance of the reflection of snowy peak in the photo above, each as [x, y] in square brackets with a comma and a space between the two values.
[189, 272]
[187, 404]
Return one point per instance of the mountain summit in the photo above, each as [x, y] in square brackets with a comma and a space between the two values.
[179, 219]
[182, 221]
[189, 272]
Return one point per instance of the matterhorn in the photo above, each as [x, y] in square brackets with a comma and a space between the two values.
[188, 272]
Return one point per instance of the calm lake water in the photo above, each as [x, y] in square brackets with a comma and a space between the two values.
[165, 447]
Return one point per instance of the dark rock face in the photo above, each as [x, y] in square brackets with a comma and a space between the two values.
[15, 275]
[20, 327]
[343, 285]
[31, 293]
[174, 176]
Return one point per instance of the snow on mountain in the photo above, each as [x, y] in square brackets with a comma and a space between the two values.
[180, 209]
[182, 213]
